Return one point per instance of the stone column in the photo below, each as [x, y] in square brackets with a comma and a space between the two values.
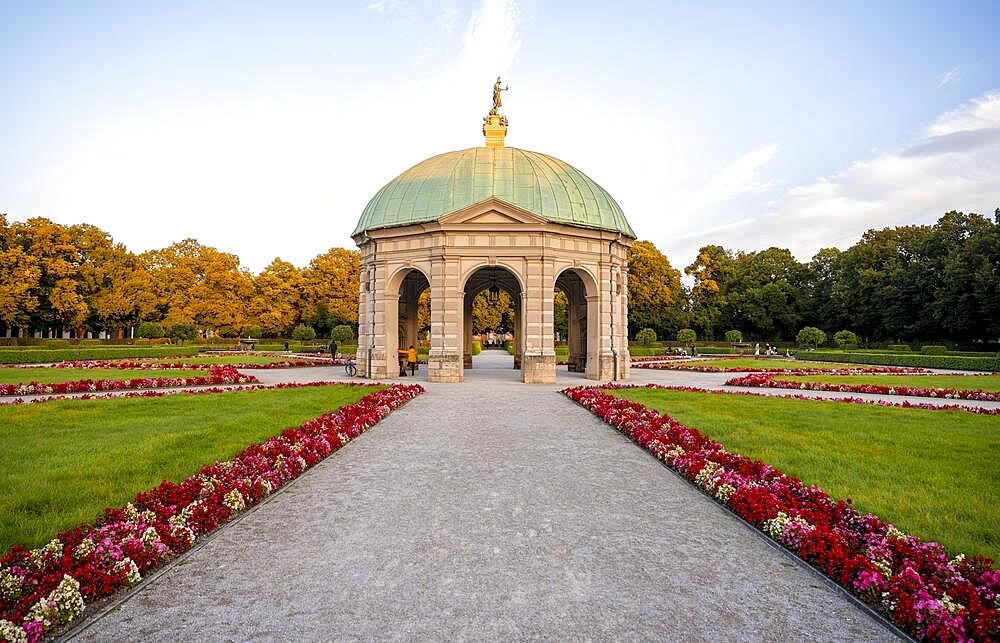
[365, 313]
[467, 331]
[538, 365]
[444, 362]
[518, 329]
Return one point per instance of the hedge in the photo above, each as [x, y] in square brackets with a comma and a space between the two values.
[46, 355]
[913, 360]
[719, 350]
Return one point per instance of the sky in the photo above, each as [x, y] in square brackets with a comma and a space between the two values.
[263, 129]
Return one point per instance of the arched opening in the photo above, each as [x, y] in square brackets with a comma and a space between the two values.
[575, 322]
[412, 323]
[492, 311]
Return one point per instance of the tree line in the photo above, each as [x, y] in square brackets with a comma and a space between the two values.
[904, 284]
[900, 284]
[56, 278]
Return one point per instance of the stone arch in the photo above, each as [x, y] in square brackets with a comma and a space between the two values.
[583, 319]
[513, 270]
[400, 305]
[475, 281]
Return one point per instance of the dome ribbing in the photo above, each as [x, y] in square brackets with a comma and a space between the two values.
[538, 183]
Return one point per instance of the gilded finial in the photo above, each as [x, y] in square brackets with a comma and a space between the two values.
[495, 125]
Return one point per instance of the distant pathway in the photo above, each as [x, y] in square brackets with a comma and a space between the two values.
[487, 510]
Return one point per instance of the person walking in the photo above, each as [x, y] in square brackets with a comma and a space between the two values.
[411, 358]
[333, 349]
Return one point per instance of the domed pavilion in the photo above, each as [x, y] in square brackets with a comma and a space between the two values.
[494, 218]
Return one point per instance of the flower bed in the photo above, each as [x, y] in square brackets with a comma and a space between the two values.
[767, 380]
[660, 358]
[914, 582]
[869, 370]
[163, 393]
[149, 365]
[216, 375]
[48, 587]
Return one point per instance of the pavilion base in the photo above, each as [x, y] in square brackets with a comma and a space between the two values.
[444, 367]
[605, 370]
[538, 369]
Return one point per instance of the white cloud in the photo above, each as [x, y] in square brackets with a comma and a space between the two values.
[954, 165]
[953, 75]
[285, 175]
[736, 178]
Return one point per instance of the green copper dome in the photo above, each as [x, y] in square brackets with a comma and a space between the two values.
[540, 184]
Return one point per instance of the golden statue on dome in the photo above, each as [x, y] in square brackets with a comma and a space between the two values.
[496, 97]
[495, 125]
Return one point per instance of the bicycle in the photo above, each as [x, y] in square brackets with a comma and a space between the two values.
[350, 367]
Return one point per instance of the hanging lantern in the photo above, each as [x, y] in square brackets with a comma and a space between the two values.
[494, 293]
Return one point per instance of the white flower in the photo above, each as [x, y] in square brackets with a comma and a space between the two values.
[12, 633]
[10, 584]
[132, 575]
[235, 501]
[85, 548]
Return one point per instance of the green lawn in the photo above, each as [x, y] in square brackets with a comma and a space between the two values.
[766, 363]
[230, 359]
[63, 462]
[48, 375]
[931, 473]
[966, 382]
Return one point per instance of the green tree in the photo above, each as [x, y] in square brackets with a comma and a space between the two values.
[845, 339]
[712, 269]
[688, 337]
[734, 336]
[646, 336]
[151, 330]
[183, 332]
[810, 337]
[303, 333]
[342, 333]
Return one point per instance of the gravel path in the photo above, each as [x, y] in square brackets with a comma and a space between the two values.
[487, 510]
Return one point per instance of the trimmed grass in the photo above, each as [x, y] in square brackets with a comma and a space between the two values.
[963, 382]
[33, 355]
[931, 473]
[63, 462]
[766, 363]
[230, 359]
[47, 375]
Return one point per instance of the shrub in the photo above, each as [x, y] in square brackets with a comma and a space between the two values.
[182, 332]
[845, 339]
[734, 336]
[686, 336]
[646, 336]
[810, 337]
[90, 342]
[931, 349]
[253, 332]
[151, 330]
[303, 333]
[894, 359]
[477, 347]
[342, 333]
[718, 350]
[899, 348]
[509, 346]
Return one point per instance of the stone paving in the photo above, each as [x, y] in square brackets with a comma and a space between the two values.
[487, 510]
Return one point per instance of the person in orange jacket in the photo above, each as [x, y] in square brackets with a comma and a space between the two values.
[411, 358]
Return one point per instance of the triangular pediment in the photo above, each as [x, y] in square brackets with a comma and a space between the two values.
[491, 212]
